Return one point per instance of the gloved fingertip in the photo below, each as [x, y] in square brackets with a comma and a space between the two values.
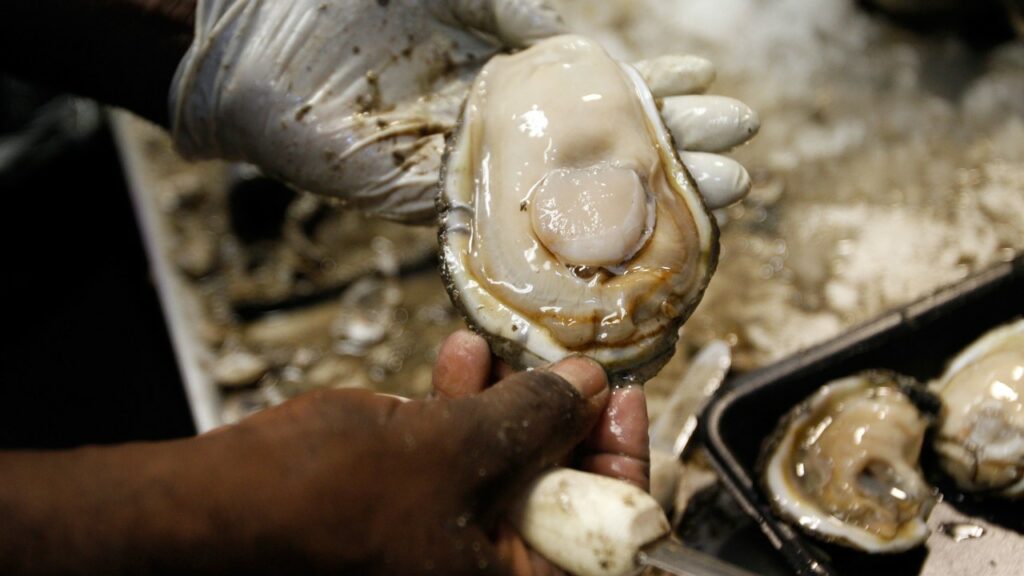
[584, 374]
[709, 123]
[521, 23]
[721, 180]
[675, 75]
[752, 122]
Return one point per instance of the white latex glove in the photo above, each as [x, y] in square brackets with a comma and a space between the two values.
[353, 98]
[702, 126]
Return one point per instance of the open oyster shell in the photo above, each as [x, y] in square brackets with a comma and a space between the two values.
[843, 465]
[980, 439]
[568, 222]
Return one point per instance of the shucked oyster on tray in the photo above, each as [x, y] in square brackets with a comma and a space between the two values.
[980, 439]
[843, 464]
[568, 222]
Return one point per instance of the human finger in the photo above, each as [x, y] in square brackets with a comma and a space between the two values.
[675, 75]
[721, 180]
[709, 123]
[530, 420]
[463, 365]
[619, 445]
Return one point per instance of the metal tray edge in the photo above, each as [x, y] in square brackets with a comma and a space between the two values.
[178, 305]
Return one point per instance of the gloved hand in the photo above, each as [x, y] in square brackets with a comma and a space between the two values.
[702, 126]
[353, 98]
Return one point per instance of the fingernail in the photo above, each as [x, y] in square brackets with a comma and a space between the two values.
[584, 374]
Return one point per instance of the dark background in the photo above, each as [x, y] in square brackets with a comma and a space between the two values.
[86, 357]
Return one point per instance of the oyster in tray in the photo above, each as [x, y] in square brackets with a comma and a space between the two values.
[844, 464]
[980, 440]
[568, 222]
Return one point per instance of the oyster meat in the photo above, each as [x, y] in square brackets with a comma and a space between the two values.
[980, 439]
[568, 222]
[843, 465]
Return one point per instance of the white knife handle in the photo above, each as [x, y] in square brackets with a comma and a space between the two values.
[586, 524]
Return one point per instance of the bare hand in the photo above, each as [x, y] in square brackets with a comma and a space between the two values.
[349, 478]
[617, 446]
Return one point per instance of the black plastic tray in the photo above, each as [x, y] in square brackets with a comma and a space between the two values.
[916, 340]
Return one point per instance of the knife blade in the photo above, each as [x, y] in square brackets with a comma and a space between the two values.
[673, 557]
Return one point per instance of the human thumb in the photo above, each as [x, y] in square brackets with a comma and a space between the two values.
[530, 420]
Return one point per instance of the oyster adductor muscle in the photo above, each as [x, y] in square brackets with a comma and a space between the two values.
[980, 439]
[843, 464]
[568, 222]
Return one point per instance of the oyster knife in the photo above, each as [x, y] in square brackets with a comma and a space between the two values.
[592, 525]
